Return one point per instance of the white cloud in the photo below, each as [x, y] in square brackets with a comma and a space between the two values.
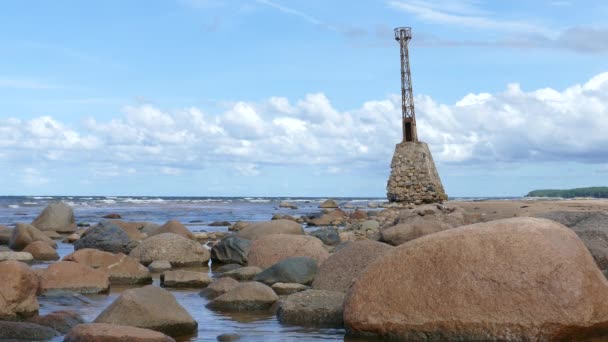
[510, 126]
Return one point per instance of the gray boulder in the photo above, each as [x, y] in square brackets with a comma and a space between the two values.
[243, 273]
[249, 296]
[301, 270]
[218, 287]
[231, 250]
[56, 216]
[317, 308]
[329, 236]
[176, 249]
[108, 237]
[62, 321]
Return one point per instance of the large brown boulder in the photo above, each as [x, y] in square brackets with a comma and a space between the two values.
[149, 307]
[56, 216]
[248, 296]
[174, 227]
[512, 279]
[344, 266]
[18, 287]
[259, 229]
[270, 249]
[101, 332]
[122, 268]
[412, 229]
[41, 251]
[68, 276]
[176, 249]
[24, 234]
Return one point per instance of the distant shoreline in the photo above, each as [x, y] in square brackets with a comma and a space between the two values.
[589, 192]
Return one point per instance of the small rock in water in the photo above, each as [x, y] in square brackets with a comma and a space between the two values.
[111, 332]
[159, 266]
[328, 204]
[249, 296]
[68, 276]
[288, 288]
[218, 287]
[62, 321]
[220, 224]
[312, 308]
[228, 337]
[175, 227]
[301, 270]
[112, 216]
[288, 205]
[183, 278]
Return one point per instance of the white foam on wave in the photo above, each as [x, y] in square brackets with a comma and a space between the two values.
[42, 197]
[107, 201]
[30, 203]
[143, 201]
[13, 206]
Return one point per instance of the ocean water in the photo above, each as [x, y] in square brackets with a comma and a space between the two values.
[196, 213]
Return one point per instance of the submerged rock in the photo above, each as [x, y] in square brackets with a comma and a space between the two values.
[159, 266]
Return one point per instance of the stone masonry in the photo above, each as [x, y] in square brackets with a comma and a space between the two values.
[414, 178]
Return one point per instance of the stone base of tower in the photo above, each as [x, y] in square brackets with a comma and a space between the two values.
[414, 178]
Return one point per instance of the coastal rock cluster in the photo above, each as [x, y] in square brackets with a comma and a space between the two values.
[426, 272]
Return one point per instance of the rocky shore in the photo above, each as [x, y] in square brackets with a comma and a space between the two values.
[529, 270]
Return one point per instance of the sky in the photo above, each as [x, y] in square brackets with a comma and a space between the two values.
[298, 97]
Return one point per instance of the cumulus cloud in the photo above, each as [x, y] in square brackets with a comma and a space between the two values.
[509, 126]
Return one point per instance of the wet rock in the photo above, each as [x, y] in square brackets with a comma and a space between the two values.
[175, 227]
[301, 270]
[56, 216]
[22, 331]
[24, 234]
[511, 279]
[62, 321]
[346, 264]
[249, 296]
[18, 287]
[312, 308]
[243, 273]
[328, 204]
[68, 276]
[218, 287]
[259, 229]
[220, 224]
[328, 236]
[334, 217]
[231, 250]
[16, 256]
[288, 288]
[42, 251]
[152, 308]
[182, 278]
[101, 332]
[288, 205]
[270, 249]
[159, 266]
[121, 268]
[176, 249]
[108, 237]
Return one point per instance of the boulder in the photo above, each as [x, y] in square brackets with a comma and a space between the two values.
[220, 224]
[18, 287]
[101, 332]
[239, 225]
[317, 308]
[149, 227]
[41, 250]
[231, 250]
[56, 216]
[334, 217]
[159, 266]
[16, 256]
[288, 288]
[24, 234]
[227, 268]
[52, 234]
[68, 276]
[174, 227]
[328, 236]
[259, 229]
[243, 273]
[452, 215]
[133, 229]
[5, 235]
[346, 264]
[511, 279]
[62, 321]
[413, 229]
[289, 205]
[358, 215]
[249, 296]
[301, 270]
[121, 268]
[149, 307]
[218, 287]
[112, 216]
[270, 249]
[176, 249]
[328, 204]
[182, 278]
[22, 331]
[108, 237]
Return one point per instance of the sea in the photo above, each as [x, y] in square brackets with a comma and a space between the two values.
[197, 213]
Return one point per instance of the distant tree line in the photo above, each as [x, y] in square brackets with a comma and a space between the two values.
[596, 192]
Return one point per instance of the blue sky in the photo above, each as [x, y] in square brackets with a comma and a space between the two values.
[298, 98]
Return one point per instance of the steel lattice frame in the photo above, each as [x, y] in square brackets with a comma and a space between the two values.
[403, 35]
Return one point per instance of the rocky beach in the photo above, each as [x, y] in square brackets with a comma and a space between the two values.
[95, 269]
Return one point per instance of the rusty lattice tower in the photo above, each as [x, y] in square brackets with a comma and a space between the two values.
[403, 35]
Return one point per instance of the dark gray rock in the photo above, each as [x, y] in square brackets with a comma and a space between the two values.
[231, 250]
[228, 337]
[106, 236]
[317, 308]
[5, 235]
[220, 224]
[329, 236]
[22, 331]
[228, 268]
[62, 321]
[301, 270]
